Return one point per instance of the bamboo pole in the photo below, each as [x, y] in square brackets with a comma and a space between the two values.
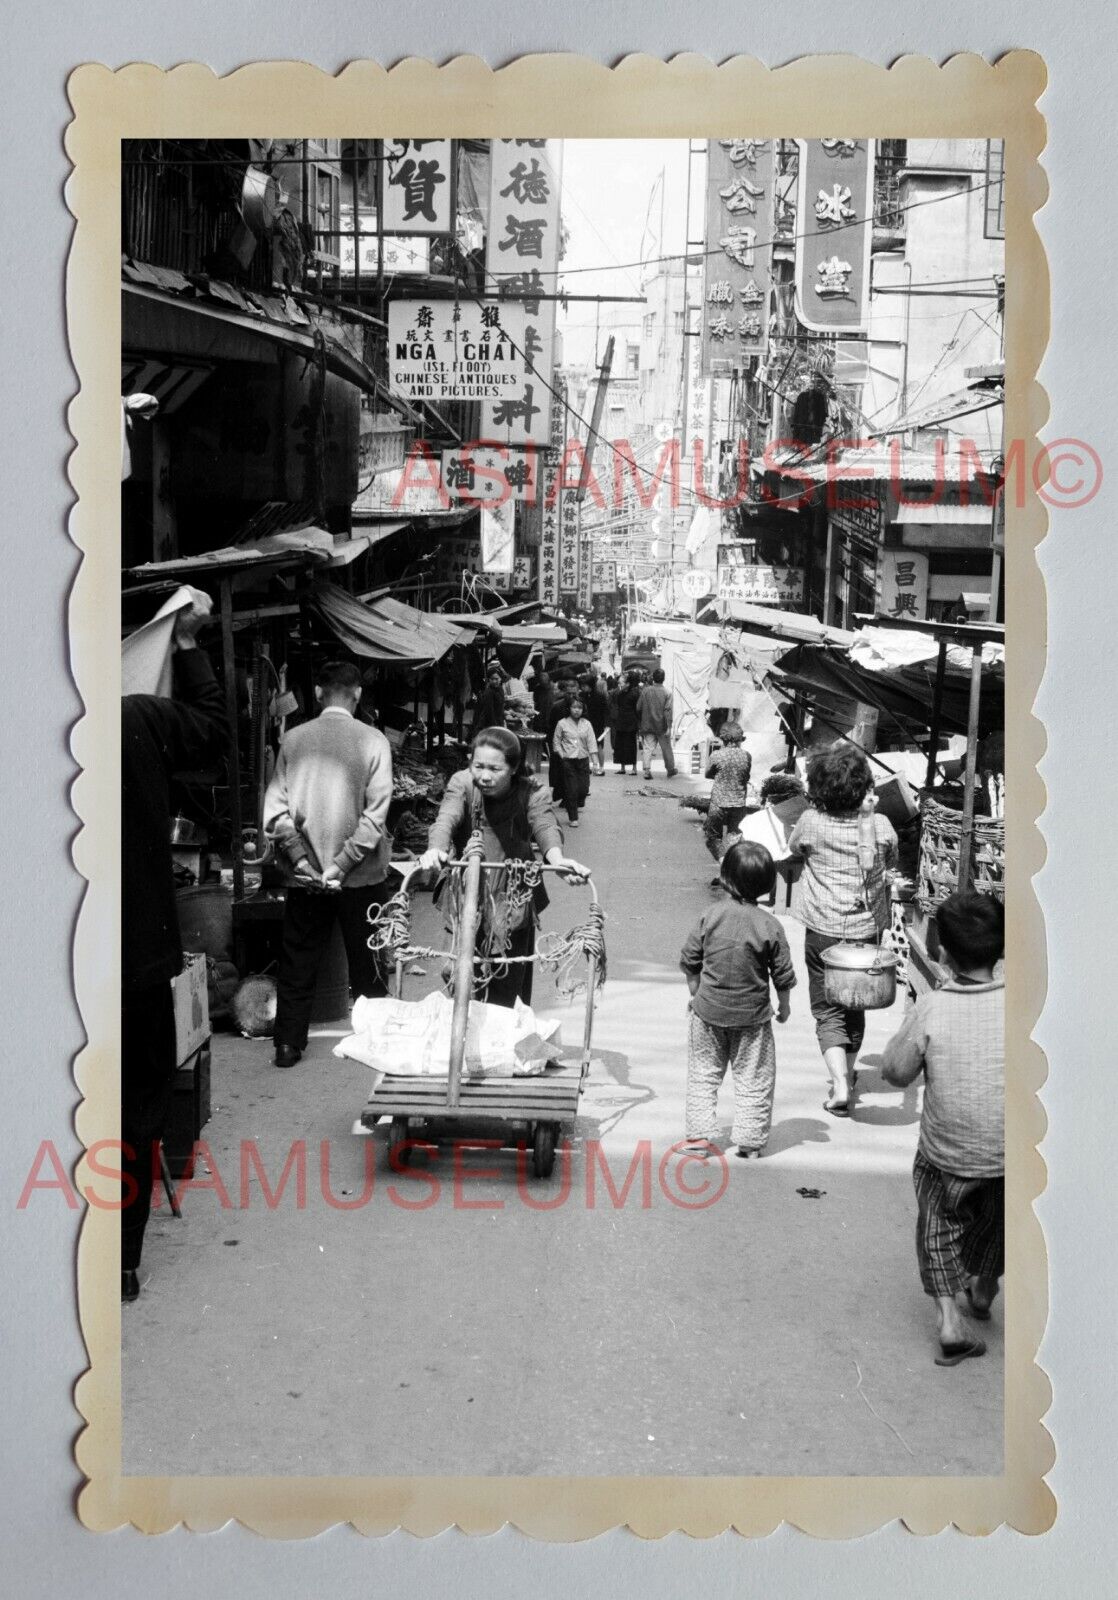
[966, 834]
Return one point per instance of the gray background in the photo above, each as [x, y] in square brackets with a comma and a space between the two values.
[45, 1551]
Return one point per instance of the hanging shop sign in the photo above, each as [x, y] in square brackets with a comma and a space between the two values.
[834, 231]
[570, 541]
[490, 473]
[497, 548]
[455, 557]
[401, 255]
[549, 509]
[695, 584]
[904, 584]
[766, 586]
[522, 259]
[585, 575]
[741, 180]
[454, 350]
[381, 444]
[604, 577]
[418, 185]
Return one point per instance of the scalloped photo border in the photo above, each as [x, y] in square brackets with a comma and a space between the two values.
[560, 96]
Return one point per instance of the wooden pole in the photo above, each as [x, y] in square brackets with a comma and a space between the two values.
[230, 671]
[937, 712]
[966, 836]
[464, 966]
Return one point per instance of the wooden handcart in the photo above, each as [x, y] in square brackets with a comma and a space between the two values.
[536, 1104]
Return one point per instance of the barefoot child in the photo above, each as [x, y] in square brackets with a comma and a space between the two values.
[729, 958]
[956, 1037]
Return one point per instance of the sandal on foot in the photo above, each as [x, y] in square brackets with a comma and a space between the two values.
[951, 1354]
[746, 1152]
[837, 1108]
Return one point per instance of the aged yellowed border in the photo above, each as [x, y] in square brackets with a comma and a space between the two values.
[561, 95]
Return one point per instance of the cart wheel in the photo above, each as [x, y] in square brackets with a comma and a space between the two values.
[543, 1149]
[398, 1145]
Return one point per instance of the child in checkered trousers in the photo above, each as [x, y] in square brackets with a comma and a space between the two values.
[955, 1036]
[730, 958]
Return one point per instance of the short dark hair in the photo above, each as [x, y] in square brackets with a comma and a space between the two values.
[972, 928]
[494, 670]
[748, 870]
[335, 676]
[838, 779]
[576, 700]
[504, 740]
[658, 675]
[731, 731]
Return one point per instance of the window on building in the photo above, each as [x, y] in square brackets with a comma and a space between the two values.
[679, 322]
[649, 324]
[995, 189]
[632, 360]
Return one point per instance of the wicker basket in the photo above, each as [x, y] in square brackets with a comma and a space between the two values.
[941, 831]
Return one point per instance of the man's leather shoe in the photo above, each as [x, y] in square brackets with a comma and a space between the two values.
[287, 1055]
[129, 1284]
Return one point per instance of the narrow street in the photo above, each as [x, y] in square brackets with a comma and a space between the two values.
[771, 1323]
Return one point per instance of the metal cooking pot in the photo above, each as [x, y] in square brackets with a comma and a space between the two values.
[859, 977]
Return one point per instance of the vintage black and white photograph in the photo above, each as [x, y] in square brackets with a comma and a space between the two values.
[562, 804]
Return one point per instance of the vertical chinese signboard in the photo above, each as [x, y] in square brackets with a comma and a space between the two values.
[522, 258]
[834, 231]
[741, 177]
[570, 541]
[585, 575]
[418, 185]
[498, 552]
[549, 501]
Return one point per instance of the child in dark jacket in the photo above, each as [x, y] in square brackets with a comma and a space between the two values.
[729, 959]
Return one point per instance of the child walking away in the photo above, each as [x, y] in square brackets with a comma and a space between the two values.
[956, 1037]
[730, 956]
[575, 747]
[730, 768]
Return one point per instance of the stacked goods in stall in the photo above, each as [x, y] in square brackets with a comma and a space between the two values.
[520, 708]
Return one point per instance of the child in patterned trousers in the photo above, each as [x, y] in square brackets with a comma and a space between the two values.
[729, 959]
[955, 1036]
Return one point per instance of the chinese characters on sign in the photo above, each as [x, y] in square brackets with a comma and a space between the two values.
[904, 584]
[522, 258]
[451, 350]
[768, 586]
[741, 178]
[488, 473]
[497, 548]
[418, 186]
[604, 577]
[549, 502]
[585, 575]
[570, 530]
[834, 229]
[412, 256]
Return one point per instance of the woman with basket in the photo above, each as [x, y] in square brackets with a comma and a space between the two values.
[512, 811]
[842, 897]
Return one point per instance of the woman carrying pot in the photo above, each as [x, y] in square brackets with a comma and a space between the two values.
[842, 896]
[513, 813]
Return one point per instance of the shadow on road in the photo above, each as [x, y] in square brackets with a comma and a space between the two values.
[792, 1131]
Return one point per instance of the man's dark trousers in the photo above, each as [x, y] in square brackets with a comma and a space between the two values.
[308, 920]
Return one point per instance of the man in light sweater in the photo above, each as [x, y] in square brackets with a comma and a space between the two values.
[654, 711]
[326, 810]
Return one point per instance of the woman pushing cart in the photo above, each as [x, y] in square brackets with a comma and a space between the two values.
[512, 811]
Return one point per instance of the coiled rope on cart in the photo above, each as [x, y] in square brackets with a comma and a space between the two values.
[506, 894]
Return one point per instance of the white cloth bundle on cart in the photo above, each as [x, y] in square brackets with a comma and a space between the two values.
[411, 1038]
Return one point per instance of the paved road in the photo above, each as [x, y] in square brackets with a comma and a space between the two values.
[763, 1332]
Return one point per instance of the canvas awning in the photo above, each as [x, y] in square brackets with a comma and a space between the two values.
[385, 629]
[781, 624]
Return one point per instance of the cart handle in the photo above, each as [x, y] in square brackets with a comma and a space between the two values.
[408, 870]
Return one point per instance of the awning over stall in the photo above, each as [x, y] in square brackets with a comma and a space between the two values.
[386, 629]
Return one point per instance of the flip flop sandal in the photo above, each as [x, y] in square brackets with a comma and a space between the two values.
[746, 1153]
[837, 1108]
[951, 1354]
[979, 1313]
